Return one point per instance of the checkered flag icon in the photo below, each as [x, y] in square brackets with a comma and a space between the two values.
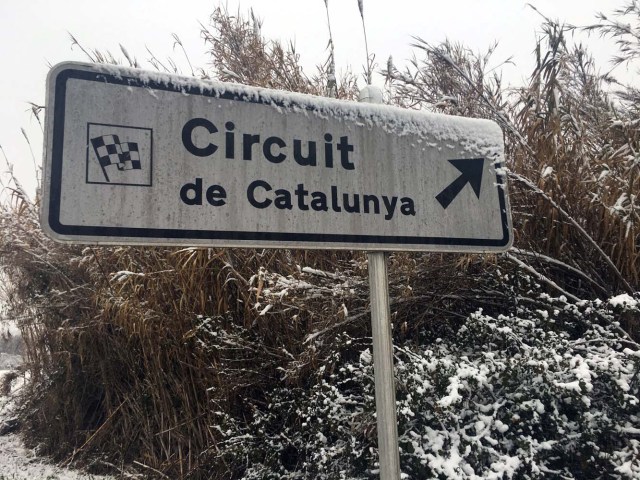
[130, 157]
[110, 151]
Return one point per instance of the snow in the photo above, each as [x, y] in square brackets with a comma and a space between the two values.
[624, 300]
[472, 134]
[123, 275]
[18, 462]
[547, 172]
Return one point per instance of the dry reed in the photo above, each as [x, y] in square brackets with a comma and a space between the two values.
[134, 352]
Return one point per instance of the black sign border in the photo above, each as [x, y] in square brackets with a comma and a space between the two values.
[303, 239]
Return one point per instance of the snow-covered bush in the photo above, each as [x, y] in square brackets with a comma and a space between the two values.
[548, 391]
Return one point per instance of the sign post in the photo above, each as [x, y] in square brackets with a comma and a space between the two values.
[382, 340]
[144, 158]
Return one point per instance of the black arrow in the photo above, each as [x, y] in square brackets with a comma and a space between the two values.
[471, 169]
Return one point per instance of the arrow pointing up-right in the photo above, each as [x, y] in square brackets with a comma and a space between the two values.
[471, 172]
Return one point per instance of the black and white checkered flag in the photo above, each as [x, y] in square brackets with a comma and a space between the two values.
[110, 151]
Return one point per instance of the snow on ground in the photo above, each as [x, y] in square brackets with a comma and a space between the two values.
[16, 461]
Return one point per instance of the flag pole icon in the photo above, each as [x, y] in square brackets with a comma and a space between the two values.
[110, 151]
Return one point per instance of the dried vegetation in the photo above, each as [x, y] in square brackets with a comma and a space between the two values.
[137, 353]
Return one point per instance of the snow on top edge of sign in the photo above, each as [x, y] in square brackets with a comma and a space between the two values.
[471, 133]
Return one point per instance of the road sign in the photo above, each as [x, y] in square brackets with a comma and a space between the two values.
[137, 157]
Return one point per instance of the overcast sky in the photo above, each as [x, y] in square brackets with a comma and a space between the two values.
[34, 35]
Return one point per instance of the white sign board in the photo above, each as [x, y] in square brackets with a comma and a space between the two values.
[136, 157]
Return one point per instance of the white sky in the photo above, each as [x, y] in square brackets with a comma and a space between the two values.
[33, 35]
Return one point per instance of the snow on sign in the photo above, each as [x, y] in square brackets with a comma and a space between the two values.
[137, 157]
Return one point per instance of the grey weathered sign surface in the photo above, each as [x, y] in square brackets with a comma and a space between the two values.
[137, 157]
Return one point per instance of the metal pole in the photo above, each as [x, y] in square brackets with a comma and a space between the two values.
[383, 367]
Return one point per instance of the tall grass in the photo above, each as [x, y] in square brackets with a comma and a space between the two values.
[136, 353]
[571, 150]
